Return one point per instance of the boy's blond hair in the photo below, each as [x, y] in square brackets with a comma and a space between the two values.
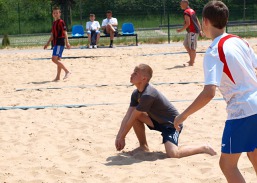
[145, 70]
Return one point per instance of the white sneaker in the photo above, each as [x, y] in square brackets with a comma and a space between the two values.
[90, 47]
[95, 46]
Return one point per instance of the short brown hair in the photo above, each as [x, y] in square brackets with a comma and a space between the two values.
[109, 11]
[146, 70]
[217, 13]
[186, 1]
[92, 15]
[56, 8]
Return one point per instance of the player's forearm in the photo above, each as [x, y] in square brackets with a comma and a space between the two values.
[128, 125]
[186, 25]
[66, 38]
[49, 40]
[125, 120]
[122, 126]
[199, 24]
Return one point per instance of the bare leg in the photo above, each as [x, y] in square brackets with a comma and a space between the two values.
[58, 75]
[111, 35]
[253, 158]
[139, 128]
[60, 66]
[111, 31]
[89, 39]
[192, 55]
[228, 165]
[97, 38]
[174, 151]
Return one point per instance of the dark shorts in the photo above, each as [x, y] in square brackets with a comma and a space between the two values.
[115, 34]
[169, 133]
[240, 135]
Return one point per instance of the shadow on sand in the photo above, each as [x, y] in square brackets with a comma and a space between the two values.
[176, 67]
[41, 82]
[125, 158]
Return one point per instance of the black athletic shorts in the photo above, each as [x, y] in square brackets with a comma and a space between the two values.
[169, 133]
[115, 34]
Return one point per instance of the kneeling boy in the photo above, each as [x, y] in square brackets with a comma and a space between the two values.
[148, 106]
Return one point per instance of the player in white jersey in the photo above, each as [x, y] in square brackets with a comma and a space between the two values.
[93, 32]
[229, 64]
[110, 26]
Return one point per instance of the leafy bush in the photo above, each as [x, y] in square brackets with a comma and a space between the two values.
[5, 41]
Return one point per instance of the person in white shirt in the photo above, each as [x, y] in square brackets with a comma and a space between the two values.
[229, 64]
[93, 32]
[110, 26]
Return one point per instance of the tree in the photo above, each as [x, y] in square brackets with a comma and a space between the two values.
[66, 7]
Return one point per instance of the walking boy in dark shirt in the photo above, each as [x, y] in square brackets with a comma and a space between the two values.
[60, 38]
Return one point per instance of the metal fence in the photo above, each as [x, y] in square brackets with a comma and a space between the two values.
[154, 22]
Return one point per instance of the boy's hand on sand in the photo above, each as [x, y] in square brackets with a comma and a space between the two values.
[120, 144]
[45, 46]
[178, 121]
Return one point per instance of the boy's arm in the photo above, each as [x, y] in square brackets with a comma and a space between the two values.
[203, 99]
[126, 125]
[103, 24]
[67, 40]
[186, 25]
[87, 27]
[49, 41]
[125, 119]
[200, 27]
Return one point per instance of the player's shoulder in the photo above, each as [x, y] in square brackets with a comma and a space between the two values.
[135, 91]
[189, 11]
[151, 90]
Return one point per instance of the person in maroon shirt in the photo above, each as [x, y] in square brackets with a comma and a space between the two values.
[59, 38]
[193, 28]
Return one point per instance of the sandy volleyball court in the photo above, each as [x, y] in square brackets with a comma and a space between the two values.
[60, 144]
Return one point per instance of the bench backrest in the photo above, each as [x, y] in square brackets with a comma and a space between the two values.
[128, 28]
[77, 31]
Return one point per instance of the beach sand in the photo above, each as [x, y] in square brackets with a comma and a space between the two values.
[60, 144]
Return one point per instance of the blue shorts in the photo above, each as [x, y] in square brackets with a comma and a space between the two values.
[169, 133]
[57, 51]
[240, 135]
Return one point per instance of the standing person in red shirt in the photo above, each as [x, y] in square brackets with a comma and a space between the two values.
[60, 38]
[193, 28]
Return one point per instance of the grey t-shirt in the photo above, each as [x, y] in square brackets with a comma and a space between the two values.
[155, 105]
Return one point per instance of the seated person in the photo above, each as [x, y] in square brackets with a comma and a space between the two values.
[110, 26]
[150, 107]
[93, 32]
